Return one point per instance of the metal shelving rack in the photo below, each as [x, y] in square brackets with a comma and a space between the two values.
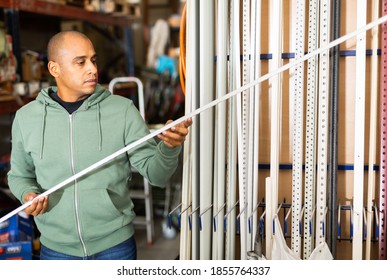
[65, 11]
[12, 9]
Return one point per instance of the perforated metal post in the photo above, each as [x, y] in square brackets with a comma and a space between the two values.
[298, 118]
[372, 128]
[383, 140]
[323, 103]
[311, 124]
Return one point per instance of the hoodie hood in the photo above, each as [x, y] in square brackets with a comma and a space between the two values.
[94, 99]
[99, 94]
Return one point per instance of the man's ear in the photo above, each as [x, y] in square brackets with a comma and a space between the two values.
[53, 68]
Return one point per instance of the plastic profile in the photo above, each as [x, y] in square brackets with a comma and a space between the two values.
[286, 220]
[190, 217]
[216, 215]
[252, 213]
[179, 217]
[228, 213]
[201, 214]
[239, 216]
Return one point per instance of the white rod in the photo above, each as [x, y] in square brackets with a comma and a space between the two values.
[373, 124]
[194, 62]
[275, 92]
[232, 139]
[185, 240]
[269, 217]
[221, 86]
[256, 72]
[206, 45]
[357, 245]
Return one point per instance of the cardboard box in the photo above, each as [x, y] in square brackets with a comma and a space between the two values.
[69, 25]
[31, 67]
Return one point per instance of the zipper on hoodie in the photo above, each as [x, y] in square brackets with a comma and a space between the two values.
[75, 186]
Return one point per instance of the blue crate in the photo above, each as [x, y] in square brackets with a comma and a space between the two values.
[16, 235]
[21, 250]
[16, 228]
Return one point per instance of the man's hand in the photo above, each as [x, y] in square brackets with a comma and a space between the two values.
[175, 136]
[38, 206]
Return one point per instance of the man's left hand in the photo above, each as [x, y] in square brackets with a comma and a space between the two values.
[175, 136]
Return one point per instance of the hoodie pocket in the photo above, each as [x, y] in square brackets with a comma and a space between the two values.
[98, 215]
[58, 223]
[97, 205]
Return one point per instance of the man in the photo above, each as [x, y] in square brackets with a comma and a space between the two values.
[68, 128]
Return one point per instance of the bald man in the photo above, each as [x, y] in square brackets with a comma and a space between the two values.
[66, 129]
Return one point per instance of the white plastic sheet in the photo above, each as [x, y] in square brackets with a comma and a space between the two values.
[321, 252]
[280, 250]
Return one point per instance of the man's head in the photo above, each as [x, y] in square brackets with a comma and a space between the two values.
[73, 64]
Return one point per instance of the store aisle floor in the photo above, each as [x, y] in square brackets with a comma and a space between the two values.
[161, 248]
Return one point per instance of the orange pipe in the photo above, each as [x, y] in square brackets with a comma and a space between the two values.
[182, 57]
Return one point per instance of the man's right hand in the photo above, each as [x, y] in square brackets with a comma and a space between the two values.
[38, 206]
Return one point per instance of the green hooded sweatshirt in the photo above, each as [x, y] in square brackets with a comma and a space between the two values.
[49, 145]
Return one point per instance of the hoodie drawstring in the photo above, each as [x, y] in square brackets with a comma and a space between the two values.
[43, 128]
[99, 127]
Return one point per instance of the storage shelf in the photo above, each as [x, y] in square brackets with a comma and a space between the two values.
[69, 12]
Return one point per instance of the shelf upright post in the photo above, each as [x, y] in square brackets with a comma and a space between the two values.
[333, 135]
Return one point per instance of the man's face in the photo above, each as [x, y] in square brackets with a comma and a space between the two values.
[77, 64]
